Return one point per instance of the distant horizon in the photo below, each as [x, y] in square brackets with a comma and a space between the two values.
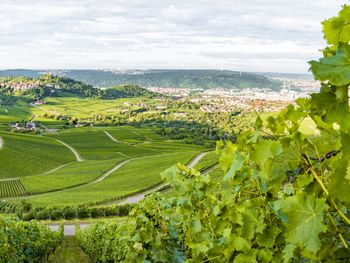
[145, 69]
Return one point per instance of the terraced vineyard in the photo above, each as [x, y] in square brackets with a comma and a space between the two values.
[12, 187]
[73, 174]
[24, 155]
[136, 175]
[116, 162]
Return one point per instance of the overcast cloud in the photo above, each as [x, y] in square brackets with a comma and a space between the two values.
[246, 35]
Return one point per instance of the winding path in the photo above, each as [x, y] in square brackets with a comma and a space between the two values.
[1, 143]
[108, 173]
[111, 136]
[98, 179]
[69, 229]
[57, 168]
[136, 198]
[76, 154]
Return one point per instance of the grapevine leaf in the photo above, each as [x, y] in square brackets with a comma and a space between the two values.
[227, 156]
[267, 238]
[236, 165]
[339, 183]
[265, 150]
[305, 220]
[196, 226]
[335, 69]
[337, 29]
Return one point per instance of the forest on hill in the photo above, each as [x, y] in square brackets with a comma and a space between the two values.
[192, 79]
[49, 85]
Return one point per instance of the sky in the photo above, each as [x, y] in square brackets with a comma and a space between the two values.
[243, 35]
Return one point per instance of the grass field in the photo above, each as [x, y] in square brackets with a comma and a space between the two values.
[24, 155]
[135, 175]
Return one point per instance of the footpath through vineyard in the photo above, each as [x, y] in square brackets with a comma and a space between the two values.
[69, 230]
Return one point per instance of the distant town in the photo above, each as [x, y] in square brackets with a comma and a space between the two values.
[250, 99]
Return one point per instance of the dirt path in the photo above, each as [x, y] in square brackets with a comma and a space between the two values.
[101, 178]
[69, 230]
[48, 130]
[68, 251]
[76, 154]
[138, 197]
[57, 168]
[97, 180]
[111, 136]
[1, 143]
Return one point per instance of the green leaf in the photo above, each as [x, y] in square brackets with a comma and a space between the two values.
[195, 226]
[266, 149]
[305, 215]
[236, 165]
[337, 29]
[339, 183]
[335, 69]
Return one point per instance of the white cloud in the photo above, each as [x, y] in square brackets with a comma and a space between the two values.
[252, 35]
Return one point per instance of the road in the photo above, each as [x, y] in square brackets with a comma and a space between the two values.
[57, 168]
[101, 178]
[136, 198]
[111, 136]
[76, 154]
[69, 230]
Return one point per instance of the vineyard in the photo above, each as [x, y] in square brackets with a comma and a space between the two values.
[26, 241]
[12, 187]
[276, 192]
[284, 196]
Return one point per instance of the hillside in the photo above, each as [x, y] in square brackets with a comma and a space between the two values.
[49, 85]
[193, 79]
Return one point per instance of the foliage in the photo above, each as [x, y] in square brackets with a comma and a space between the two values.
[26, 241]
[105, 242]
[127, 91]
[288, 199]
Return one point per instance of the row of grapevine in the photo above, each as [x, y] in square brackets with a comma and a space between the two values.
[289, 195]
[105, 241]
[10, 188]
[8, 207]
[26, 241]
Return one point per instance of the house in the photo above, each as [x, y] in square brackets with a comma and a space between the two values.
[31, 125]
[39, 102]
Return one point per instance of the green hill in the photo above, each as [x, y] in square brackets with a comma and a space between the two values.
[49, 85]
[192, 79]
